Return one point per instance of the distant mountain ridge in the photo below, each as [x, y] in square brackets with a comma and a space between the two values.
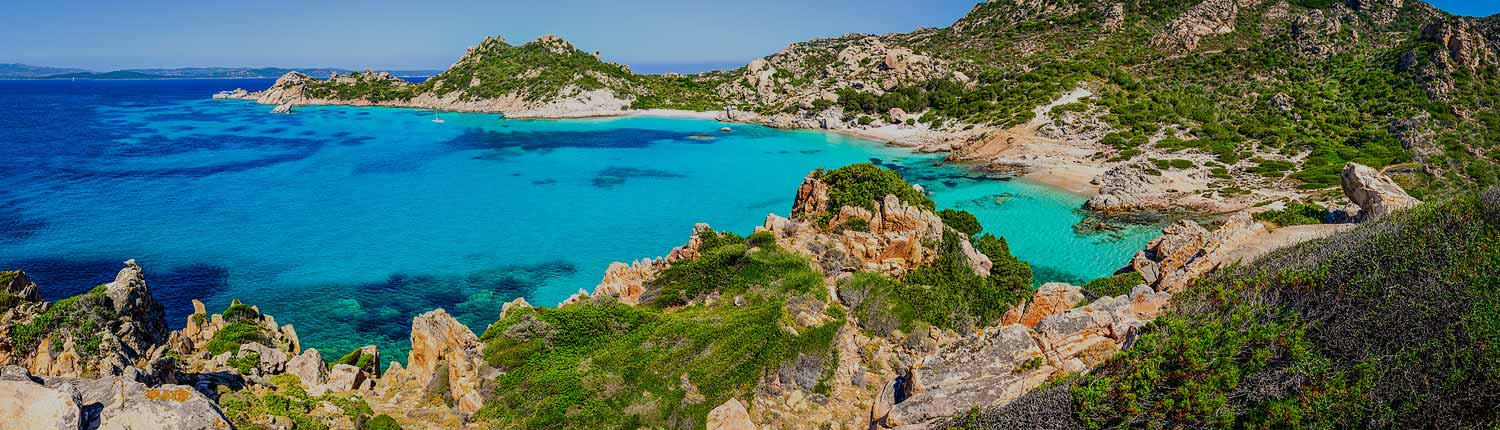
[25, 71]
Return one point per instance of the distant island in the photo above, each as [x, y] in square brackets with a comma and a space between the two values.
[26, 71]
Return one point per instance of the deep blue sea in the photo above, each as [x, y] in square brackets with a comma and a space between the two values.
[347, 222]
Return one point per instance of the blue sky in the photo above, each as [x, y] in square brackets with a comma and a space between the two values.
[651, 35]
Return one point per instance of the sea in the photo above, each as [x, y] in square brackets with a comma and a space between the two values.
[347, 222]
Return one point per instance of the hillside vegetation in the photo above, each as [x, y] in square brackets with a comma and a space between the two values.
[1388, 326]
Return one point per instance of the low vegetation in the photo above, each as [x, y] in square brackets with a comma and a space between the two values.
[711, 329]
[287, 397]
[1386, 326]
[84, 318]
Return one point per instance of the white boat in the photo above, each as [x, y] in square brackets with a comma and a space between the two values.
[438, 119]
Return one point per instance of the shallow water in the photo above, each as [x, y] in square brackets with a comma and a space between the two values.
[347, 222]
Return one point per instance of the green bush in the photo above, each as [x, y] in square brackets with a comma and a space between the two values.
[381, 422]
[233, 335]
[1295, 213]
[727, 266]
[862, 185]
[946, 294]
[961, 220]
[1113, 286]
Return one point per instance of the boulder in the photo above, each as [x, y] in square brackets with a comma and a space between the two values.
[730, 416]
[342, 377]
[1052, 298]
[309, 367]
[27, 405]
[272, 360]
[133, 405]
[1186, 251]
[1375, 193]
[992, 368]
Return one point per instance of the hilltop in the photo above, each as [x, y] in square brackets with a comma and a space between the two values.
[1213, 105]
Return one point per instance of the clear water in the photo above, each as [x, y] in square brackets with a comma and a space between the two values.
[347, 222]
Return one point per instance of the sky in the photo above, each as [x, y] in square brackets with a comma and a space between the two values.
[652, 36]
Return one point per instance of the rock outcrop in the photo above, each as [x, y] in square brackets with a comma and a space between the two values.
[1375, 193]
[896, 236]
[1000, 364]
[730, 416]
[441, 347]
[19, 287]
[1209, 18]
[109, 331]
[1186, 250]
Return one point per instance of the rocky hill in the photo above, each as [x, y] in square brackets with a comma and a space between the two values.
[1207, 105]
[548, 77]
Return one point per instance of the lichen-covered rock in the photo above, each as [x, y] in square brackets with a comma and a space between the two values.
[1375, 193]
[168, 407]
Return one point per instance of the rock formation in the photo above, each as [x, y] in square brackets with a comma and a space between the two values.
[730, 416]
[1375, 193]
[1002, 363]
[1186, 250]
[442, 347]
[17, 285]
[107, 331]
[29, 403]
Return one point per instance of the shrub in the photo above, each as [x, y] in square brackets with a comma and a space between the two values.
[861, 185]
[1295, 213]
[232, 336]
[1112, 286]
[381, 422]
[961, 220]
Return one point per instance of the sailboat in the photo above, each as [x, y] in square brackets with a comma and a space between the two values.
[437, 119]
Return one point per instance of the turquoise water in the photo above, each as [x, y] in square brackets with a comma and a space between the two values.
[347, 222]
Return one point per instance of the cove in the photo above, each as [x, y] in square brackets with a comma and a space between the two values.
[347, 222]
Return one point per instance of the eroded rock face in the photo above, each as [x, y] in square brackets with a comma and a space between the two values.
[1186, 251]
[441, 346]
[130, 324]
[309, 367]
[995, 367]
[1123, 188]
[143, 322]
[1375, 193]
[897, 236]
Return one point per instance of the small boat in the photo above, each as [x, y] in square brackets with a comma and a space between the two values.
[438, 119]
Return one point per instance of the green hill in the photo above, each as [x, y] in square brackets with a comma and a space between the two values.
[1392, 325]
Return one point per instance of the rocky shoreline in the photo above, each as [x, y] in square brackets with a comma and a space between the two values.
[62, 357]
